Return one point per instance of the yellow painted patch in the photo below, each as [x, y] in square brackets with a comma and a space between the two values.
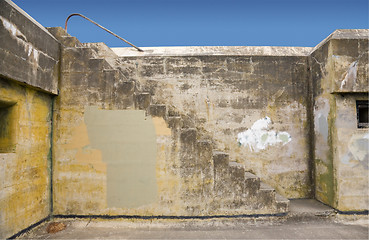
[79, 138]
[85, 154]
[161, 128]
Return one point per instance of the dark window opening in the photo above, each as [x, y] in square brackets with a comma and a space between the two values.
[7, 127]
[362, 114]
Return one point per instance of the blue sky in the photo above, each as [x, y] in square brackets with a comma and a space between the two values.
[203, 22]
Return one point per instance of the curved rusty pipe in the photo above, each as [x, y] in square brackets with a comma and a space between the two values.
[78, 14]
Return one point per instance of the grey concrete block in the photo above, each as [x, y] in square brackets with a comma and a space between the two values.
[70, 41]
[174, 122]
[221, 160]
[98, 64]
[158, 110]
[142, 100]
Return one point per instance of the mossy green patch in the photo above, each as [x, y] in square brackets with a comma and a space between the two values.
[326, 181]
[283, 137]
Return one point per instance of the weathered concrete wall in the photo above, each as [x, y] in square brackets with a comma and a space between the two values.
[351, 156]
[339, 68]
[251, 100]
[117, 154]
[28, 75]
[28, 52]
[105, 151]
[324, 173]
[25, 124]
[273, 109]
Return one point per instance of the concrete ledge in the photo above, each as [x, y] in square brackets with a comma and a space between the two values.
[28, 52]
[344, 34]
[214, 51]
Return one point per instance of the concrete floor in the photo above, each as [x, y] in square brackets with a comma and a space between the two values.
[308, 219]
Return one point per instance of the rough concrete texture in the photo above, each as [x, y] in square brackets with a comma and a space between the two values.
[217, 121]
[221, 93]
[339, 74]
[28, 52]
[214, 51]
[80, 174]
[351, 156]
[95, 119]
[227, 94]
[25, 116]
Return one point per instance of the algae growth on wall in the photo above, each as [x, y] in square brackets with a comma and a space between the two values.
[25, 131]
[340, 76]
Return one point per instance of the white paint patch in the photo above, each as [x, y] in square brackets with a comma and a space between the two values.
[29, 51]
[259, 137]
[12, 28]
[35, 55]
[8, 26]
[350, 77]
[19, 36]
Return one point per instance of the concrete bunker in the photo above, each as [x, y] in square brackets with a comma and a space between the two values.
[177, 113]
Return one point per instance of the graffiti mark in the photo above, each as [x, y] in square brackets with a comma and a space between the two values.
[259, 137]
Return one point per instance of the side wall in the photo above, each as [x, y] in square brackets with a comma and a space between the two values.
[28, 80]
[350, 59]
[325, 186]
[254, 106]
[25, 116]
[339, 78]
[351, 156]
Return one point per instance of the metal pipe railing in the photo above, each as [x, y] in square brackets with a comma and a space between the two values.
[78, 14]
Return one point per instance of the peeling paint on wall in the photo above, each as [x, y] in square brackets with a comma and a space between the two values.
[259, 137]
